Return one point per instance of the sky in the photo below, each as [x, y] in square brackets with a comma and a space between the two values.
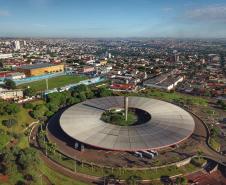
[113, 18]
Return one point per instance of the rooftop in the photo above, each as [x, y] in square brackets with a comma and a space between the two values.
[36, 66]
[169, 124]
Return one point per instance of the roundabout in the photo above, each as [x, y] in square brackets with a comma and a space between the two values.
[168, 125]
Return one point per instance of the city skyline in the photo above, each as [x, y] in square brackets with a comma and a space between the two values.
[128, 18]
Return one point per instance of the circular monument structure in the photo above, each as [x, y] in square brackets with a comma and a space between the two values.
[167, 124]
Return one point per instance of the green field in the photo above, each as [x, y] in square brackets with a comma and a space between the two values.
[174, 97]
[55, 82]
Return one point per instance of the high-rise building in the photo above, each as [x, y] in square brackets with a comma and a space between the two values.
[176, 57]
[17, 44]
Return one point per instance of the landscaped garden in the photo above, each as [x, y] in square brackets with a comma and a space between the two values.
[117, 117]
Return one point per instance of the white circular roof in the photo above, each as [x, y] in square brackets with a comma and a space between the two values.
[169, 124]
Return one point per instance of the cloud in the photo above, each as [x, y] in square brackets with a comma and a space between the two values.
[208, 13]
[4, 13]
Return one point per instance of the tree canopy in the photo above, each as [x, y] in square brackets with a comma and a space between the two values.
[10, 84]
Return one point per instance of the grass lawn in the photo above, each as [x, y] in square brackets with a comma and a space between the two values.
[37, 102]
[55, 82]
[57, 178]
[174, 97]
[4, 140]
[199, 161]
[178, 97]
[23, 119]
[23, 142]
[214, 144]
[118, 118]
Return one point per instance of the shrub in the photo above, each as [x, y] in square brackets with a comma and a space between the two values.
[9, 123]
[28, 106]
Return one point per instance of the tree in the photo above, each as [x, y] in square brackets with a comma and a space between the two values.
[27, 158]
[9, 123]
[20, 182]
[52, 147]
[9, 161]
[82, 96]
[39, 111]
[29, 92]
[181, 181]
[2, 168]
[133, 180]
[221, 104]
[2, 107]
[52, 106]
[28, 106]
[12, 108]
[81, 88]
[10, 84]
[214, 131]
[73, 100]
[59, 99]
[103, 92]
[89, 94]
[49, 113]
[1, 63]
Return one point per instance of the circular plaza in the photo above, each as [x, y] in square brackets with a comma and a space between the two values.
[167, 124]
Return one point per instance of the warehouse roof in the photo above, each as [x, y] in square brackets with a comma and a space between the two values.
[36, 66]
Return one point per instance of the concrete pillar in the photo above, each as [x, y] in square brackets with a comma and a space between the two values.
[126, 100]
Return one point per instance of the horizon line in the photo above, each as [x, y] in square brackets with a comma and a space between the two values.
[119, 37]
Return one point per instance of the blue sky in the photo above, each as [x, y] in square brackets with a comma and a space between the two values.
[113, 18]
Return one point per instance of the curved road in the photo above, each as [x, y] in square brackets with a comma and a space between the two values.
[59, 168]
[209, 153]
[200, 133]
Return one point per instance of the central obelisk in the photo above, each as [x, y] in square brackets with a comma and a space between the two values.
[126, 100]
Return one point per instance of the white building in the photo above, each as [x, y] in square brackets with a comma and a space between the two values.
[16, 76]
[17, 44]
[165, 83]
[11, 94]
[4, 56]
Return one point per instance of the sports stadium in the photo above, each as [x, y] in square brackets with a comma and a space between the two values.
[80, 132]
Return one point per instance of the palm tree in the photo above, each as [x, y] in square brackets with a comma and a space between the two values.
[52, 147]
[132, 180]
[42, 135]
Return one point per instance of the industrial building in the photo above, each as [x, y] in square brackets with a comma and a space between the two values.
[166, 82]
[40, 69]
